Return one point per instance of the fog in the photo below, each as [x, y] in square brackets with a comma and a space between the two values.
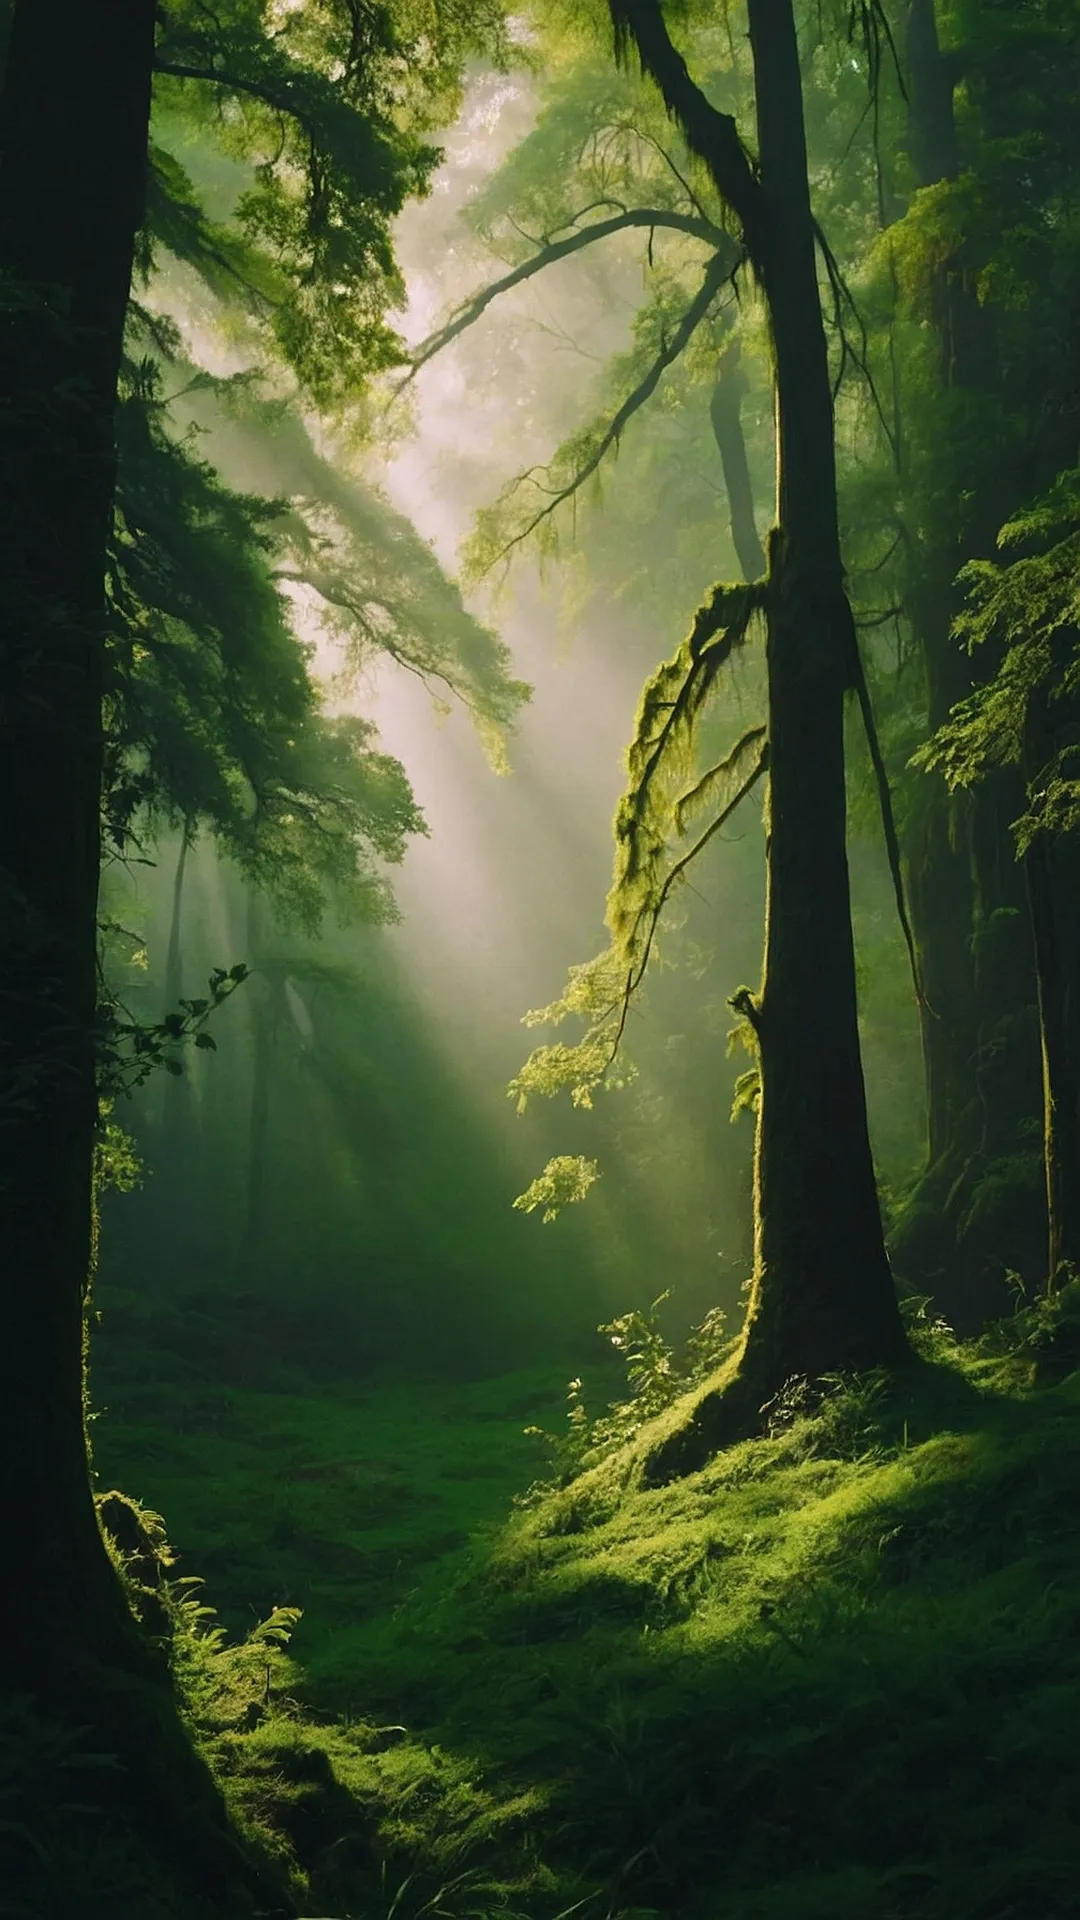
[505, 892]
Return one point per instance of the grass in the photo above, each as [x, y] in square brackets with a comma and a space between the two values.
[341, 1500]
[833, 1675]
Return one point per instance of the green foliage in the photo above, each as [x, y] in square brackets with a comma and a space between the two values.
[322, 114]
[116, 1161]
[831, 1673]
[1041, 1341]
[656, 1375]
[1026, 611]
[212, 715]
[130, 1049]
[565, 1180]
[377, 585]
[284, 150]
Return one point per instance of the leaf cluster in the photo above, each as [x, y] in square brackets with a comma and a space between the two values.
[212, 713]
[656, 1375]
[322, 111]
[1027, 611]
[128, 1050]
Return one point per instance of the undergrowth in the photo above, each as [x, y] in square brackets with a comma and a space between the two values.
[834, 1675]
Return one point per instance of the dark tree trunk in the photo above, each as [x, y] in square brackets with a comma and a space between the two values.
[823, 1296]
[966, 890]
[74, 112]
[174, 1144]
[174, 956]
[73, 126]
[930, 84]
[264, 1008]
[1053, 878]
[176, 1092]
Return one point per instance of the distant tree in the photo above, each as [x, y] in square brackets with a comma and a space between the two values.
[966, 279]
[1025, 608]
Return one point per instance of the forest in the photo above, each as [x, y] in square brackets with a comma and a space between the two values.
[540, 959]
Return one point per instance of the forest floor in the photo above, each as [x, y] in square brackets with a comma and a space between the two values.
[835, 1675]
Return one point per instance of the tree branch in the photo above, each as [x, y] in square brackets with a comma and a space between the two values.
[720, 625]
[334, 594]
[718, 271]
[652, 913]
[712, 135]
[649, 217]
[282, 99]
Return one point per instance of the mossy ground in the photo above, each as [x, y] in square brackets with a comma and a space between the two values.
[832, 1676]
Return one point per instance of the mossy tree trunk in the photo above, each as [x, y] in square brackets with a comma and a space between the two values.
[74, 115]
[822, 1295]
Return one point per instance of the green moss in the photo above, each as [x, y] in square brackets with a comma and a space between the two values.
[834, 1673]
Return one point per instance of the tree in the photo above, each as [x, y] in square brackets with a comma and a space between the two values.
[972, 261]
[822, 1293]
[71, 209]
[74, 171]
[821, 1299]
[72, 201]
[966, 894]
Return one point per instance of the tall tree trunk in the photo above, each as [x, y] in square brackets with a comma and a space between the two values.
[823, 1296]
[966, 889]
[73, 128]
[263, 1004]
[174, 959]
[174, 1142]
[74, 113]
[1053, 877]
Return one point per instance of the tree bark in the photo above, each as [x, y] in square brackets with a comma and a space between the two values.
[74, 112]
[1053, 879]
[822, 1296]
[966, 890]
[176, 1092]
[74, 116]
[263, 1014]
[1051, 865]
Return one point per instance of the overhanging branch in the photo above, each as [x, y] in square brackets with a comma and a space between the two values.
[641, 217]
[717, 272]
